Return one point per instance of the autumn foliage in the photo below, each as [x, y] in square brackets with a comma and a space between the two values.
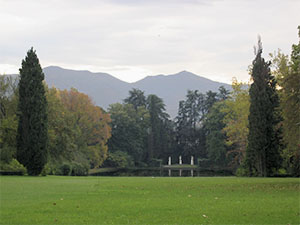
[78, 129]
[92, 122]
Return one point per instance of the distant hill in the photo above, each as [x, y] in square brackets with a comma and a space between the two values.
[103, 88]
[173, 88]
[106, 89]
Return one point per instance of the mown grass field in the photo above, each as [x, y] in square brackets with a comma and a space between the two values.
[146, 200]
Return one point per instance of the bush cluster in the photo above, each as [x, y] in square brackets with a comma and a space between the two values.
[70, 169]
[118, 159]
[13, 167]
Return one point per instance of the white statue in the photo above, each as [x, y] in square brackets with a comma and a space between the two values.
[192, 160]
[180, 160]
[169, 163]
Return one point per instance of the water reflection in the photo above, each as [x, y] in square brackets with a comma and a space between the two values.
[180, 173]
[164, 172]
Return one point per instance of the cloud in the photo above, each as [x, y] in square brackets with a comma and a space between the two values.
[210, 38]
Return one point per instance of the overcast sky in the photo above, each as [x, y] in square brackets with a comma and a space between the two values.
[131, 39]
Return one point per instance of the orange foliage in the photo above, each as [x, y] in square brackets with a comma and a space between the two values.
[92, 120]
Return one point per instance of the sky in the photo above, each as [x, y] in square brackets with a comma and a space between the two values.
[131, 39]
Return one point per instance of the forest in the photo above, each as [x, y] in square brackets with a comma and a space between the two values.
[252, 130]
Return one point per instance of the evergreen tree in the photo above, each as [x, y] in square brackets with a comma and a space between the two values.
[136, 98]
[189, 125]
[32, 111]
[262, 155]
[157, 139]
[192, 122]
[223, 93]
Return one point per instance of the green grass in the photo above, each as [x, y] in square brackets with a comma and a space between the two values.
[146, 200]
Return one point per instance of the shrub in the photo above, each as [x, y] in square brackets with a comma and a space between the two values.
[241, 172]
[13, 167]
[52, 168]
[204, 163]
[46, 170]
[282, 171]
[295, 165]
[68, 169]
[118, 159]
[79, 169]
[64, 169]
[141, 164]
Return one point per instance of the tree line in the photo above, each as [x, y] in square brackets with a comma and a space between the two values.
[49, 130]
[252, 130]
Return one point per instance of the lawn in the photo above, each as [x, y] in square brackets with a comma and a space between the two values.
[147, 200]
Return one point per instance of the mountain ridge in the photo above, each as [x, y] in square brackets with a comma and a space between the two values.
[183, 72]
[105, 89]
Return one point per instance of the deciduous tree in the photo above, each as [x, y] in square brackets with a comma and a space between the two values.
[8, 117]
[92, 124]
[129, 131]
[288, 73]
[236, 122]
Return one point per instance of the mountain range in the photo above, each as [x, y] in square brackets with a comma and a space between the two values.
[105, 89]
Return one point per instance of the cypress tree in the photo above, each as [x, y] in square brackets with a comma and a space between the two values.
[262, 155]
[32, 112]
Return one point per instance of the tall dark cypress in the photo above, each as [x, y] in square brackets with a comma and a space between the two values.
[262, 155]
[32, 111]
